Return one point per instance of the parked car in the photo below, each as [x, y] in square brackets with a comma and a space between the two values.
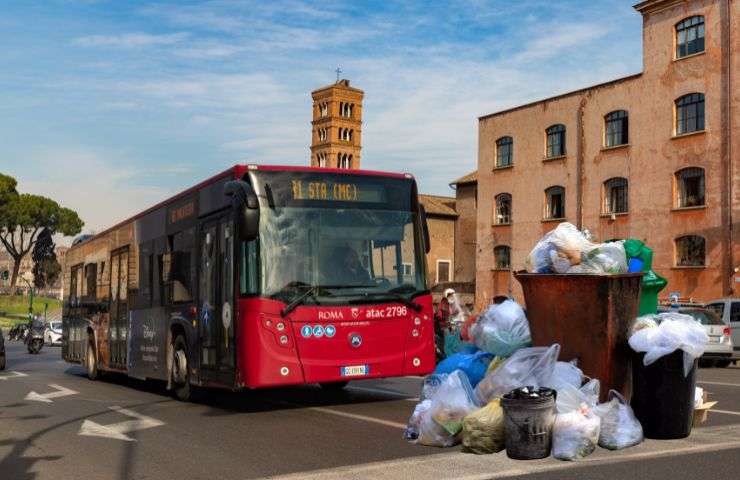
[728, 310]
[53, 333]
[719, 350]
[2, 350]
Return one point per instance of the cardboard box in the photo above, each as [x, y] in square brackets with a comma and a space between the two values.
[702, 412]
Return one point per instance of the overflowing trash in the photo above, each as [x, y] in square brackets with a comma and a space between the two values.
[569, 250]
[496, 391]
[502, 329]
[673, 331]
[619, 426]
[575, 433]
[484, 430]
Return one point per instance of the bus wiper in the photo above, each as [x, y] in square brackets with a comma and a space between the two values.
[397, 297]
[311, 292]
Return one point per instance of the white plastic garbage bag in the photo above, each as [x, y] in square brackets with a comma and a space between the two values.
[619, 426]
[674, 331]
[575, 433]
[502, 329]
[440, 424]
[604, 258]
[565, 374]
[526, 367]
[414, 424]
[557, 250]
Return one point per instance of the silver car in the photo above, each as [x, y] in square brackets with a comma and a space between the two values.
[728, 310]
[53, 333]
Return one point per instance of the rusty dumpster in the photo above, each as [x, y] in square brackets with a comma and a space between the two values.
[589, 316]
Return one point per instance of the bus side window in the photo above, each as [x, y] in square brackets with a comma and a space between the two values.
[179, 267]
[146, 270]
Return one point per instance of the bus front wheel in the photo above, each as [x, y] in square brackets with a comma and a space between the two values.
[91, 363]
[180, 371]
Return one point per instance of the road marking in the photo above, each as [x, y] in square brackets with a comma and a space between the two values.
[46, 397]
[119, 430]
[383, 391]
[727, 412]
[355, 416]
[12, 375]
[724, 384]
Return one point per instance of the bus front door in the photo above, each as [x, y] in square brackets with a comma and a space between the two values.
[215, 302]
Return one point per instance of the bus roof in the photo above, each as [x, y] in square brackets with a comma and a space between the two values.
[238, 171]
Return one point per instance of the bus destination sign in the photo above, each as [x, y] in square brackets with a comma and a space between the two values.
[337, 191]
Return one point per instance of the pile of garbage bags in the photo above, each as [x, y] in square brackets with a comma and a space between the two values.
[569, 250]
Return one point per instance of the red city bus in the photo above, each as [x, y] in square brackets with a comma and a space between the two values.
[260, 276]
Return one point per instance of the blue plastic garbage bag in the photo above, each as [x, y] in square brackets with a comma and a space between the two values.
[473, 364]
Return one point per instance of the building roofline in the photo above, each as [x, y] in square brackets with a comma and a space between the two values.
[562, 95]
[652, 6]
[341, 84]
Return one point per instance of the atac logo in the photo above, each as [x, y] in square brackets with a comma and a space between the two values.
[331, 315]
[355, 313]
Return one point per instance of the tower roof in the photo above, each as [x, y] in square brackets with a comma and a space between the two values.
[342, 84]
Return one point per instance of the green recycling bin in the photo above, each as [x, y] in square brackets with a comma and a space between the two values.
[641, 260]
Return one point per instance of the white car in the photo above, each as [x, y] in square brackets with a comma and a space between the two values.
[53, 333]
[728, 310]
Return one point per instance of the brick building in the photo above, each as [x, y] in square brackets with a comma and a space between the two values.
[652, 156]
[336, 126]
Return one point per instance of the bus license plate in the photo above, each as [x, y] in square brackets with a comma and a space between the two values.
[355, 370]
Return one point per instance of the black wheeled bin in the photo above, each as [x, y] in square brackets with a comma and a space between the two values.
[662, 397]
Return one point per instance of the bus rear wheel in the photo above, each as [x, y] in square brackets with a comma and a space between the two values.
[180, 371]
[91, 363]
[333, 386]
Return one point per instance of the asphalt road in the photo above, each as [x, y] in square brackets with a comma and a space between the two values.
[56, 424]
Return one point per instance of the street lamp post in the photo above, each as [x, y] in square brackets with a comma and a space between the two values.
[30, 297]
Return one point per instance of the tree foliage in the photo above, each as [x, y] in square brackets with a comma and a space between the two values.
[46, 268]
[24, 216]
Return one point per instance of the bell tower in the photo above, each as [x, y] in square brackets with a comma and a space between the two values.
[336, 126]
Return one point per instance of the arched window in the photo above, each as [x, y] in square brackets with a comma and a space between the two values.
[321, 158]
[502, 257]
[690, 187]
[503, 209]
[555, 141]
[349, 136]
[616, 197]
[554, 203]
[690, 251]
[322, 134]
[616, 128]
[690, 113]
[345, 160]
[504, 151]
[690, 36]
[323, 109]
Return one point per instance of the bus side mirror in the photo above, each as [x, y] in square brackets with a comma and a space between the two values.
[425, 228]
[247, 207]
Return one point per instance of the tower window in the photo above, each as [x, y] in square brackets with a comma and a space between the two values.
[323, 134]
[690, 36]
[346, 109]
[616, 128]
[324, 109]
[690, 113]
[344, 160]
[503, 209]
[321, 159]
[555, 141]
[554, 203]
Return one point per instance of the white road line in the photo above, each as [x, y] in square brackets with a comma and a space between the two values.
[724, 384]
[355, 416]
[727, 412]
[12, 374]
[47, 397]
[120, 429]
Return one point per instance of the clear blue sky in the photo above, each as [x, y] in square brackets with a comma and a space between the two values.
[110, 106]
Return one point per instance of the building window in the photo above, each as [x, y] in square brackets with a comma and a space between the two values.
[616, 128]
[690, 187]
[345, 134]
[321, 159]
[91, 278]
[690, 251]
[504, 151]
[407, 269]
[555, 141]
[344, 160]
[324, 109]
[616, 195]
[554, 203]
[443, 271]
[502, 257]
[322, 134]
[690, 113]
[503, 209]
[346, 109]
[690, 36]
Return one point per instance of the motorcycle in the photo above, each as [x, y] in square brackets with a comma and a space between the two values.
[35, 337]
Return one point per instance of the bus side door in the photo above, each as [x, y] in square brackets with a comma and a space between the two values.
[118, 331]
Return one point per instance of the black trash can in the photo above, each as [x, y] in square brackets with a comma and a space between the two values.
[528, 420]
[662, 397]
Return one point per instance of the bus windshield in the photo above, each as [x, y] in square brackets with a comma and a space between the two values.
[344, 252]
[334, 238]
